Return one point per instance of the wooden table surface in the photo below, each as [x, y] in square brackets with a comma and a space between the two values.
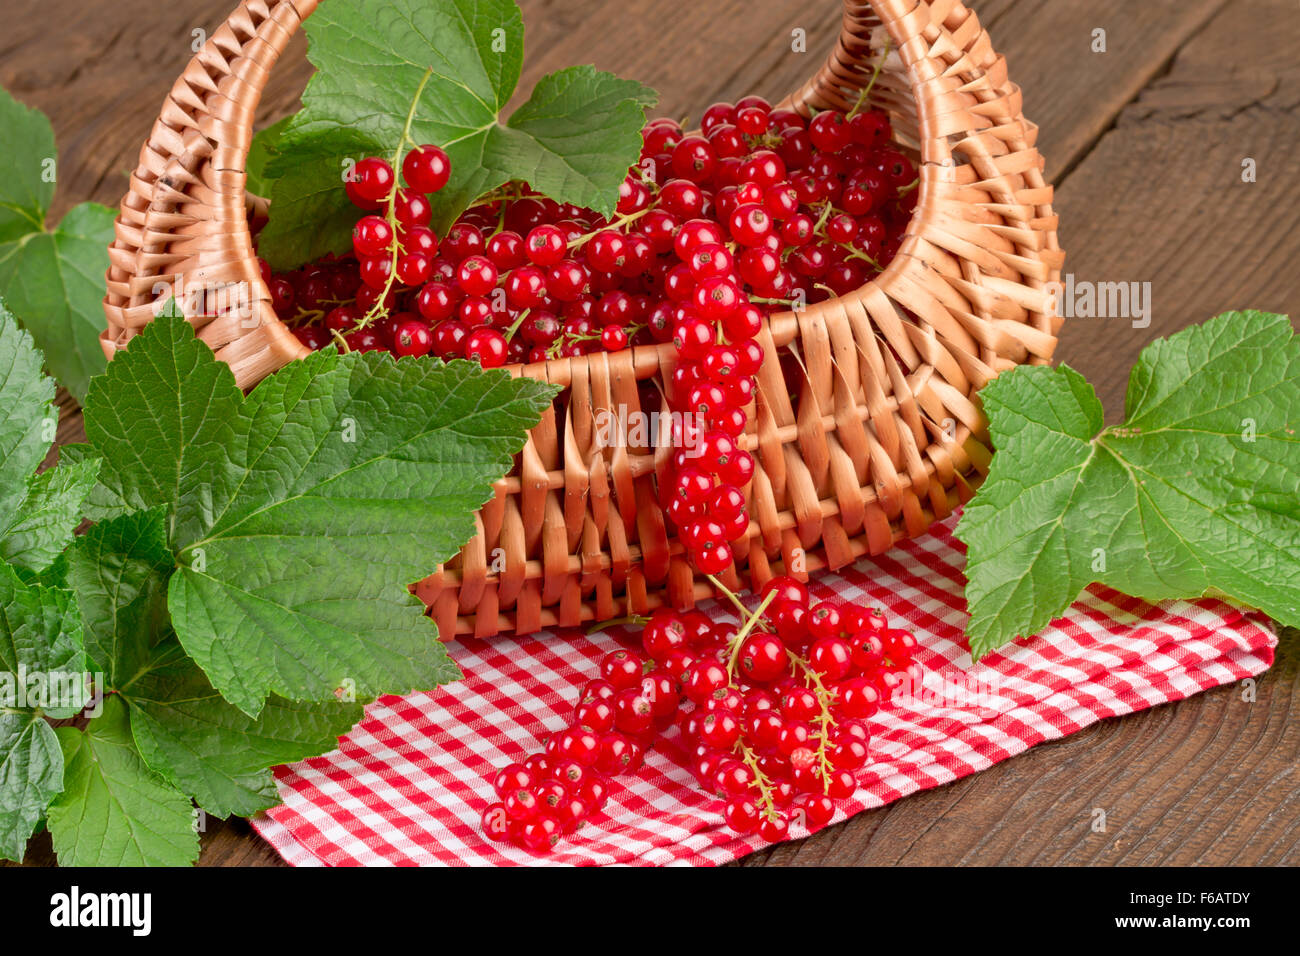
[1145, 143]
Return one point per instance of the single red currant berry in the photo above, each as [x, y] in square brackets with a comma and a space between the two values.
[477, 275]
[541, 834]
[694, 159]
[840, 784]
[426, 168]
[800, 703]
[579, 744]
[570, 773]
[363, 340]
[593, 791]
[848, 753]
[762, 658]
[775, 828]
[372, 179]
[714, 560]
[622, 669]
[663, 633]
[824, 620]
[633, 714]
[613, 338]
[750, 224]
[734, 778]
[312, 336]
[375, 271]
[511, 778]
[538, 765]
[412, 338]
[487, 347]
[868, 652]
[545, 245]
[597, 715]
[412, 208]
[763, 730]
[817, 810]
[619, 755]
[720, 729]
[496, 822]
[787, 589]
[521, 804]
[741, 814]
[793, 735]
[371, 236]
[703, 679]
[859, 698]
[831, 657]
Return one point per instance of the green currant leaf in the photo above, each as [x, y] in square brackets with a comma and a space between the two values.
[27, 425]
[188, 733]
[45, 523]
[31, 774]
[119, 571]
[52, 279]
[41, 651]
[1198, 491]
[440, 71]
[102, 502]
[307, 509]
[37, 514]
[114, 811]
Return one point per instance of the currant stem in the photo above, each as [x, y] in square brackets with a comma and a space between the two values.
[632, 620]
[824, 719]
[739, 639]
[390, 216]
[618, 223]
[514, 327]
[866, 91]
[762, 781]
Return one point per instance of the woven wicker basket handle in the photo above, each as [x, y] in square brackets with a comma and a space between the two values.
[183, 225]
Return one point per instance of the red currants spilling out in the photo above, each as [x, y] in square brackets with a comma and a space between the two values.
[772, 713]
[763, 210]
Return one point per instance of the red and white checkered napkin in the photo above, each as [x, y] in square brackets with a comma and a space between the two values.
[408, 785]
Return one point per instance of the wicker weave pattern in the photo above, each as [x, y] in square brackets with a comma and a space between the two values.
[884, 437]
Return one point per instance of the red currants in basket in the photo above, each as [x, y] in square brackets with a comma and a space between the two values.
[771, 713]
[762, 210]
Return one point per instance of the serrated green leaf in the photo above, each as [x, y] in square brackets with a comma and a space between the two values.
[119, 570]
[188, 733]
[31, 773]
[26, 415]
[103, 502]
[163, 421]
[54, 576]
[1198, 491]
[447, 68]
[53, 279]
[27, 155]
[113, 810]
[37, 514]
[42, 658]
[307, 511]
[46, 521]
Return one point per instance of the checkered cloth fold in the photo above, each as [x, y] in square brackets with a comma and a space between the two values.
[408, 785]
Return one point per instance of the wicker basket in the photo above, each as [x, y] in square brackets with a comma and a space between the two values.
[885, 436]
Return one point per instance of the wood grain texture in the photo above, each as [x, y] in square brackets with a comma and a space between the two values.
[1145, 142]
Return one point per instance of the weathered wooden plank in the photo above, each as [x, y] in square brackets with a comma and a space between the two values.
[1210, 780]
